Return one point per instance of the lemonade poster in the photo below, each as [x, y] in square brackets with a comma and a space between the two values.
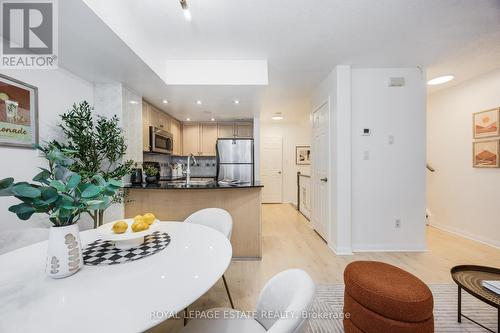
[17, 113]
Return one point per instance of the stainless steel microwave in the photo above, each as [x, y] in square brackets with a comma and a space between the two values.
[160, 141]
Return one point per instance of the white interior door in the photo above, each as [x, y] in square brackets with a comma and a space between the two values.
[320, 165]
[271, 169]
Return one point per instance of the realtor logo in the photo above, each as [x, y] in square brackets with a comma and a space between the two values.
[29, 34]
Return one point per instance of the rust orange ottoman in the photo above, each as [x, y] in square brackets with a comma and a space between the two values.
[381, 298]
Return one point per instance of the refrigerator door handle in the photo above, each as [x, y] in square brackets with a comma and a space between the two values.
[217, 161]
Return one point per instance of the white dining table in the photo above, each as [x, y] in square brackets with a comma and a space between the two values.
[127, 297]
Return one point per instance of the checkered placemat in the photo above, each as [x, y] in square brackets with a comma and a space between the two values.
[103, 252]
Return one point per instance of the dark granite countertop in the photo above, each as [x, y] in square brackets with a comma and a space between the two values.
[166, 185]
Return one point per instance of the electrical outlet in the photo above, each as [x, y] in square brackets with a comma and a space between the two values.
[397, 224]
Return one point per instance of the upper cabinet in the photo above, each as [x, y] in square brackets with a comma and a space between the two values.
[226, 130]
[176, 130]
[151, 116]
[235, 130]
[145, 126]
[244, 130]
[191, 139]
[208, 139]
[200, 138]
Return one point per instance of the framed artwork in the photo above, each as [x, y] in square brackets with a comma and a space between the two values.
[486, 123]
[18, 113]
[303, 155]
[485, 154]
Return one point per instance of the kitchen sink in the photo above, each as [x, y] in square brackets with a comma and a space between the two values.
[194, 181]
[201, 181]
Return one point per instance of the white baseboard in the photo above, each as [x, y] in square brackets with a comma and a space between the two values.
[465, 234]
[388, 248]
[341, 251]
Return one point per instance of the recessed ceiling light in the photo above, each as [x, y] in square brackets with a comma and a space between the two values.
[440, 80]
[213, 119]
[188, 119]
[185, 10]
[198, 102]
[236, 101]
[165, 101]
[134, 102]
[277, 116]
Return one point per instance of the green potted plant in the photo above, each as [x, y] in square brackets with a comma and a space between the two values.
[63, 195]
[97, 146]
[151, 174]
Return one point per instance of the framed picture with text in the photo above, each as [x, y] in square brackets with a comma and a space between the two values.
[18, 113]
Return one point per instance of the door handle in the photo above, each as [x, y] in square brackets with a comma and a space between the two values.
[324, 179]
[279, 172]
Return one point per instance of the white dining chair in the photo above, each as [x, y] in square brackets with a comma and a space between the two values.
[220, 220]
[289, 293]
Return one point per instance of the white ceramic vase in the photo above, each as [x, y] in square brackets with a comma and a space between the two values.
[64, 252]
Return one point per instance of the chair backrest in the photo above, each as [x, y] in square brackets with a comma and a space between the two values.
[216, 218]
[287, 295]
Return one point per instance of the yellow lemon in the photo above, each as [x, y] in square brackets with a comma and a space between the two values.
[120, 227]
[138, 217]
[139, 226]
[149, 218]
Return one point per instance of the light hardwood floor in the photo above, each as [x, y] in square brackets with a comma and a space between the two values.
[289, 242]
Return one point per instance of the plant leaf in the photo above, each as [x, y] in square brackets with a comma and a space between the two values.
[26, 190]
[115, 183]
[91, 191]
[5, 183]
[73, 181]
[49, 195]
[44, 175]
[99, 179]
[58, 185]
[23, 211]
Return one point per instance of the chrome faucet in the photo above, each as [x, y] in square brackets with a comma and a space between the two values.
[188, 169]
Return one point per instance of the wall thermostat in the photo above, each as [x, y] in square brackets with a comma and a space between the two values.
[366, 132]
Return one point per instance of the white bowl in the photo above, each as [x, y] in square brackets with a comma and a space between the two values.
[129, 238]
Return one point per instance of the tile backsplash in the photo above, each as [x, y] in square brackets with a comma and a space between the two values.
[206, 166]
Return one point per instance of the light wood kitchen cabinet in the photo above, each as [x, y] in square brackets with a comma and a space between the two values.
[199, 139]
[151, 116]
[175, 128]
[159, 119]
[191, 139]
[208, 139]
[145, 126]
[243, 130]
[225, 130]
[235, 130]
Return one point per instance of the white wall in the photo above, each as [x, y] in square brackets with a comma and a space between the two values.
[114, 99]
[461, 198]
[335, 90]
[294, 133]
[367, 196]
[389, 185]
[57, 91]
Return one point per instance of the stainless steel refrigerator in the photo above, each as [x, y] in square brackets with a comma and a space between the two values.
[235, 160]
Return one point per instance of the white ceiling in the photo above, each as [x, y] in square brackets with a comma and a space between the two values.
[302, 41]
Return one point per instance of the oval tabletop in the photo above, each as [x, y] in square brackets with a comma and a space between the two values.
[471, 277]
[126, 297]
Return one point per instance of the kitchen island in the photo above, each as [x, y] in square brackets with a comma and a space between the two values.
[175, 201]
